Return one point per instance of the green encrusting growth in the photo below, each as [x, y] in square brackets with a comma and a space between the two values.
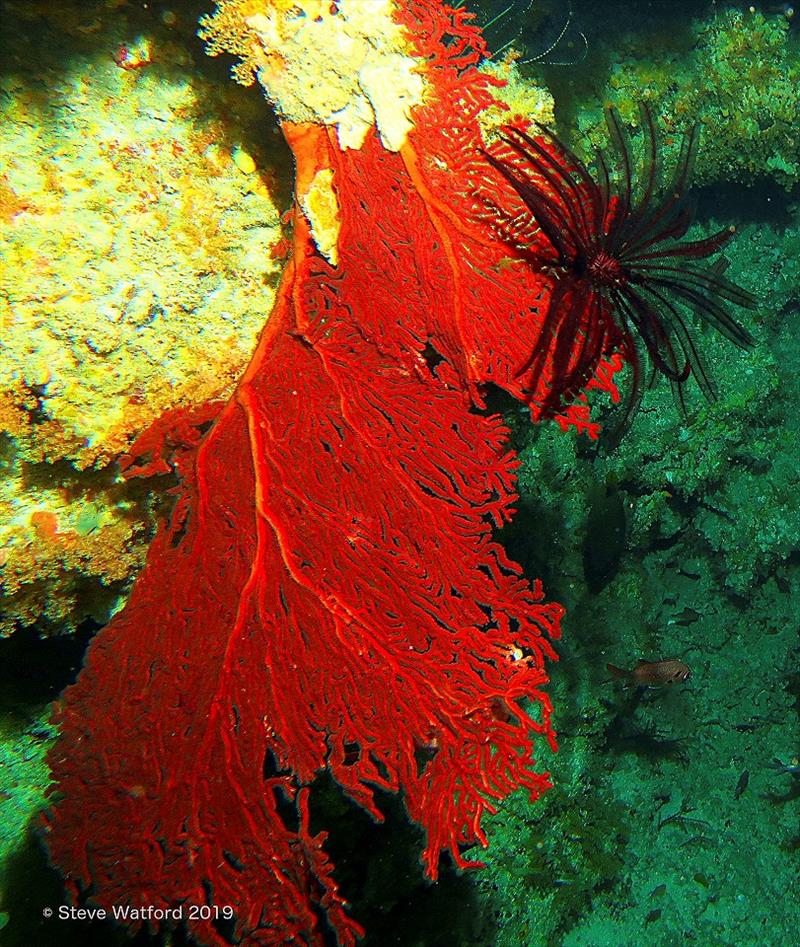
[549, 862]
[737, 73]
[25, 737]
[667, 783]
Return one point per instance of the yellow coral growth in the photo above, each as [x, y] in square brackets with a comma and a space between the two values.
[321, 208]
[346, 64]
[137, 269]
[227, 31]
[136, 220]
[64, 554]
[522, 97]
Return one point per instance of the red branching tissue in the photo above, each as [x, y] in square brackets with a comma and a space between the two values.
[326, 594]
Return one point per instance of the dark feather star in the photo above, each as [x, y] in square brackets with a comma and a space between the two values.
[625, 279]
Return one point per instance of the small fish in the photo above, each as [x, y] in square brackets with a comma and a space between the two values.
[653, 673]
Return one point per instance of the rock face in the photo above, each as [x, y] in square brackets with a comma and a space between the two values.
[136, 276]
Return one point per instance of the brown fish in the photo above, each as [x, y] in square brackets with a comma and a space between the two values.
[653, 673]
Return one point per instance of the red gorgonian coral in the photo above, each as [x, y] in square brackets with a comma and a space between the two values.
[327, 593]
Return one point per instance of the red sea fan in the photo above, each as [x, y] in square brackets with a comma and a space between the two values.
[327, 594]
[625, 279]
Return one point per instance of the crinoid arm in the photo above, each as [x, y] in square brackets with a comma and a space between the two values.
[625, 278]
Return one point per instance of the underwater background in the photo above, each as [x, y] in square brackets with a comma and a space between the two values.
[130, 158]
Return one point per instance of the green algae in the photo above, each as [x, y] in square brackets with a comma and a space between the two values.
[709, 575]
[25, 737]
[737, 72]
[548, 861]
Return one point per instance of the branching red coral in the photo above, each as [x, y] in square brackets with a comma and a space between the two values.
[327, 593]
